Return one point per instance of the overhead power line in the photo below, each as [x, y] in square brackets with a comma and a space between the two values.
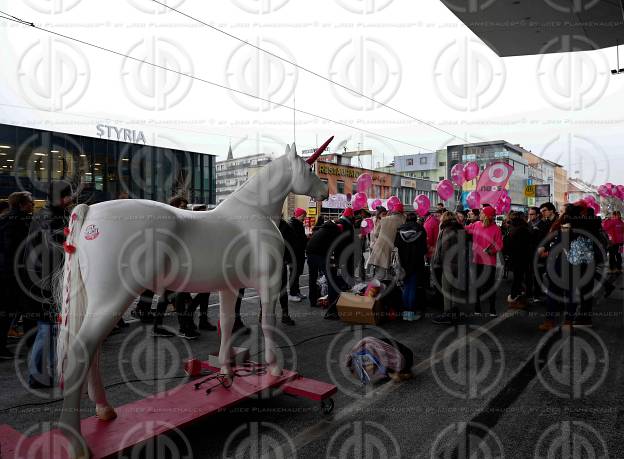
[312, 72]
[218, 85]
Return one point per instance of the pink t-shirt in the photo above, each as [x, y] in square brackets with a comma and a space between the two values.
[483, 238]
[614, 227]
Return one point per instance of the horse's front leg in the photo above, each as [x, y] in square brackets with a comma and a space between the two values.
[269, 295]
[226, 320]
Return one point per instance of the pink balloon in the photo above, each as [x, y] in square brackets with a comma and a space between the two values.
[604, 191]
[367, 226]
[619, 191]
[392, 201]
[471, 170]
[421, 205]
[457, 174]
[376, 203]
[473, 199]
[445, 189]
[589, 198]
[364, 182]
[360, 201]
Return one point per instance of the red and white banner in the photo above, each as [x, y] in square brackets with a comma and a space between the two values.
[493, 181]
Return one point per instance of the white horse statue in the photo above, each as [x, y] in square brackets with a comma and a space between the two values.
[233, 246]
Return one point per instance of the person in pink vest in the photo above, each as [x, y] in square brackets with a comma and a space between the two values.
[614, 227]
[487, 241]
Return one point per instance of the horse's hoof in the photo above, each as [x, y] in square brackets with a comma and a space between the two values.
[274, 370]
[105, 413]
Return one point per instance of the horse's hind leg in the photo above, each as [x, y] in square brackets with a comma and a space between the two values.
[226, 321]
[97, 394]
[269, 294]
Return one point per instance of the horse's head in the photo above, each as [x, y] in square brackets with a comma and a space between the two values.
[304, 180]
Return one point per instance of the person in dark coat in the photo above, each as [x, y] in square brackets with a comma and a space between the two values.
[451, 257]
[299, 242]
[14, 226]
[44, 256]
[411, 243]
[318, 252]
[518, 244]
[290, 240]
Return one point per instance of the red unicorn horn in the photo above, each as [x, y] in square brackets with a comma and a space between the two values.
[320, 150]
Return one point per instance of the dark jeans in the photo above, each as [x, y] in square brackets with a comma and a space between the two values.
[615, 257]
[9, 307]
[317, 264]
[521, 275]
[486, 280]
[202, 300]
[570, 294]
[296, 269]
[410, 288]
[42, 362]
[283, 298]
[144, 306]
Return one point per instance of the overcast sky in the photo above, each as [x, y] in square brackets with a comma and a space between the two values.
[415, 56]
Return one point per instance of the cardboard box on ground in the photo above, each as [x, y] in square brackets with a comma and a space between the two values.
[357, 309]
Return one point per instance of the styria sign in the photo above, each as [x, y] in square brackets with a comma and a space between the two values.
[120, 134]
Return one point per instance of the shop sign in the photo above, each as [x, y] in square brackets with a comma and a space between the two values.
[120, 134]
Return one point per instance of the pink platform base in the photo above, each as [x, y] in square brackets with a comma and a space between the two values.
[140, 421]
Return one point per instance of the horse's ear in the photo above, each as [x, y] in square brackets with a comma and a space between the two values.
[287, 152]
[293, 150]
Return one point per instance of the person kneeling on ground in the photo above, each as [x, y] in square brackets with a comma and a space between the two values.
[374, 359]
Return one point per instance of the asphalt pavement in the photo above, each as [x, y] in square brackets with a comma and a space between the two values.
[492, 388]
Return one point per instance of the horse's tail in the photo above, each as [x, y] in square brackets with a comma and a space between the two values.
[72, 293]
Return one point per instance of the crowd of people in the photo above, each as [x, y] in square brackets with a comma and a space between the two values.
[454, 260]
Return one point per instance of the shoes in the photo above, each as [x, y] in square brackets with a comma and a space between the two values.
[205, 325]
[333, 315]
[442, 319]
[585, 322]
[240, 327]
[511, 299]
[295, 299]
[547, 325]
[287, 320]
[411, 316]
[417, 316]
[34, 384]
[189, 334]
[14, 333]
[493, 315]
[159, 332]
[303, 297]
[5, 354]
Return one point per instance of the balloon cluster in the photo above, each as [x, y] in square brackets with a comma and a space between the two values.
[460, 174]
[360, 200]
[609, 190]
[503, 205]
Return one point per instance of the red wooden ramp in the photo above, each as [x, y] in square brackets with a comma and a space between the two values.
[140, 421]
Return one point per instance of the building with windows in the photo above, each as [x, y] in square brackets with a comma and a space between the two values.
[426, 166]
[100, 168]
[233, 172]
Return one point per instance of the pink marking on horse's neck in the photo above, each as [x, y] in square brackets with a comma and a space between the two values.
[265, 192]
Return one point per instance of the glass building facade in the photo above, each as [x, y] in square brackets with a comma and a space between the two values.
[101, 169]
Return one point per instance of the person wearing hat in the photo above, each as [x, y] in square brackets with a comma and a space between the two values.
[44, 255]
[381, 252]
[299, 242]
[487, 241]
